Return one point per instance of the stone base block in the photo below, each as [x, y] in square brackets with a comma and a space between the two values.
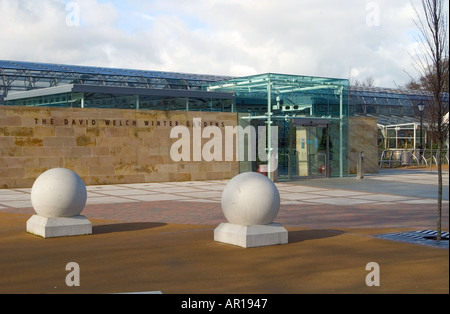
[251, 236]
[59, 227]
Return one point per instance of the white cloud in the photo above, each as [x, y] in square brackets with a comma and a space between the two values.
[231, 37]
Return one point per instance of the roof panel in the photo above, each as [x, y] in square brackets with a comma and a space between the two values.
[115, 71]
[79, 69]
[146, 74]
[54, 67]
[28, 66]
[101, 71]
[9, 65]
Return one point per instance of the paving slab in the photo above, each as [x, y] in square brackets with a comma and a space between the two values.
[408, 182]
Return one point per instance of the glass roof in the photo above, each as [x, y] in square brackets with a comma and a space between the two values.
[41, 75]
[387, 96]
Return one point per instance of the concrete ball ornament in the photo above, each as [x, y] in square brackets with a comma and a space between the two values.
[250, 199]
[58, 192]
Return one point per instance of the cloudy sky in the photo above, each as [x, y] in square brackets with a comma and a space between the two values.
[333, 38]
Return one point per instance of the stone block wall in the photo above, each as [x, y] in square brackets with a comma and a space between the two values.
[104, 146]
[363, 136]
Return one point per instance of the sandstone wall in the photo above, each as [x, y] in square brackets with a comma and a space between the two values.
[104, 146]
[363, 136]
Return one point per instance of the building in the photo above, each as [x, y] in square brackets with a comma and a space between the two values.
[113, 125]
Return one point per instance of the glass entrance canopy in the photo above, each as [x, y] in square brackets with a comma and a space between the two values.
[280, 100]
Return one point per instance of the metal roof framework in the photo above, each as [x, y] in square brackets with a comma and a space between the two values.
[21, 76]
[279, 83]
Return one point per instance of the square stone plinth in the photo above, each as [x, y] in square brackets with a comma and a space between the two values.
[59, 227]
[251, 236]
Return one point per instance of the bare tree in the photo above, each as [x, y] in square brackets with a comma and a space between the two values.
[368, 82]
[421, 82]
[432, 62]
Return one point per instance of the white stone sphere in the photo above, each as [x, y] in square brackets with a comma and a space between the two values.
[249, 199]
[58, 192]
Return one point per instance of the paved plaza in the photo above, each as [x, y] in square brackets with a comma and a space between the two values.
[159, 237]
[390, 199]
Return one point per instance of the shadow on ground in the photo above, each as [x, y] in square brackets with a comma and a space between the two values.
[124, 227]
[306, 235]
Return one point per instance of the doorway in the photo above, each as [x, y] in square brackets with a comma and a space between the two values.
[304, 149]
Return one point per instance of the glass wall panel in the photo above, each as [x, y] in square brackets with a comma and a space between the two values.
[397, 110]
[58, 100]
[384, 110]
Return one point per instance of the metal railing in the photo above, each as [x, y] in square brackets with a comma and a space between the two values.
[411, 157]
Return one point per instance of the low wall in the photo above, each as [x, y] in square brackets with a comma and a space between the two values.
[104, 146]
